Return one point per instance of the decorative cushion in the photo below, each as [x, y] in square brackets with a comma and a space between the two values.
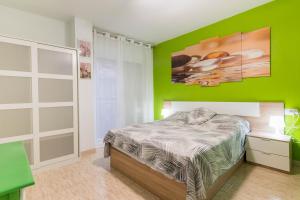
[178, 116]
[200, 116]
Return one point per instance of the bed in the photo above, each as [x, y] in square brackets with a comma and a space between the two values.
[186, 156]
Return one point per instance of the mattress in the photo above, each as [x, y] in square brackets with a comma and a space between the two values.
[196, 154]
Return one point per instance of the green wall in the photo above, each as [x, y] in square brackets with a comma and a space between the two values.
[283, 16]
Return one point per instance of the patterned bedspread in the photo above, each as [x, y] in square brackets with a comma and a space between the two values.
[191, 153]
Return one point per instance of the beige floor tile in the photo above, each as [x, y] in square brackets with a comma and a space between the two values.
[91, 179]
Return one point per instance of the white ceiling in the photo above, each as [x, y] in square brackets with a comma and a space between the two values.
[148, 20]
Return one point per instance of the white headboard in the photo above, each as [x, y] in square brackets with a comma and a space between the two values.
[247, 109]
[257, 113]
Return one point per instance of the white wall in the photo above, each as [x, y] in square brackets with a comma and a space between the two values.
[29, 26]
[84, 31]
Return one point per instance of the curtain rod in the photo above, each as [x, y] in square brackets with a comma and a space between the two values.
[116, 36]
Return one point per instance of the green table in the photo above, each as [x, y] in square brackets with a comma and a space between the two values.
[15, 172]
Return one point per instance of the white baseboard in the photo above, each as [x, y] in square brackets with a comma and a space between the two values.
[55, 165]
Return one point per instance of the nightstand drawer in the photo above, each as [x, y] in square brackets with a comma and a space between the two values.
[271, 160]
[268, 146]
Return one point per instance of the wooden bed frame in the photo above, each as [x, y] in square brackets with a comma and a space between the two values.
[168, 189]
[157, 183]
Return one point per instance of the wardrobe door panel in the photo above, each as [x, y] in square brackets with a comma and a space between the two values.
[54, 62]
[15, 122]
[55, 90]
[38, 101]
[52, 147]
[56, 118]
[15, 57]
[15, 90]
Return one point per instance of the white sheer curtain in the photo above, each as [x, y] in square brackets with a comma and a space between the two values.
[124, 83]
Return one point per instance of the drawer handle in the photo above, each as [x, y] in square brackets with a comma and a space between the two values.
[266, 153]
[265, 139]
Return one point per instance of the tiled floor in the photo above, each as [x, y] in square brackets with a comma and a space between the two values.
[91, 179]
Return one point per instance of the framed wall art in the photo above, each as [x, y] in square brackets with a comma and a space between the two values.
[223, 59]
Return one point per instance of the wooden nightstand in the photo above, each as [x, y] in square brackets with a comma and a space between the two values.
[269, 149]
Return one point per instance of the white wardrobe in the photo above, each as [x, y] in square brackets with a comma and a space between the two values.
[38, 100]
